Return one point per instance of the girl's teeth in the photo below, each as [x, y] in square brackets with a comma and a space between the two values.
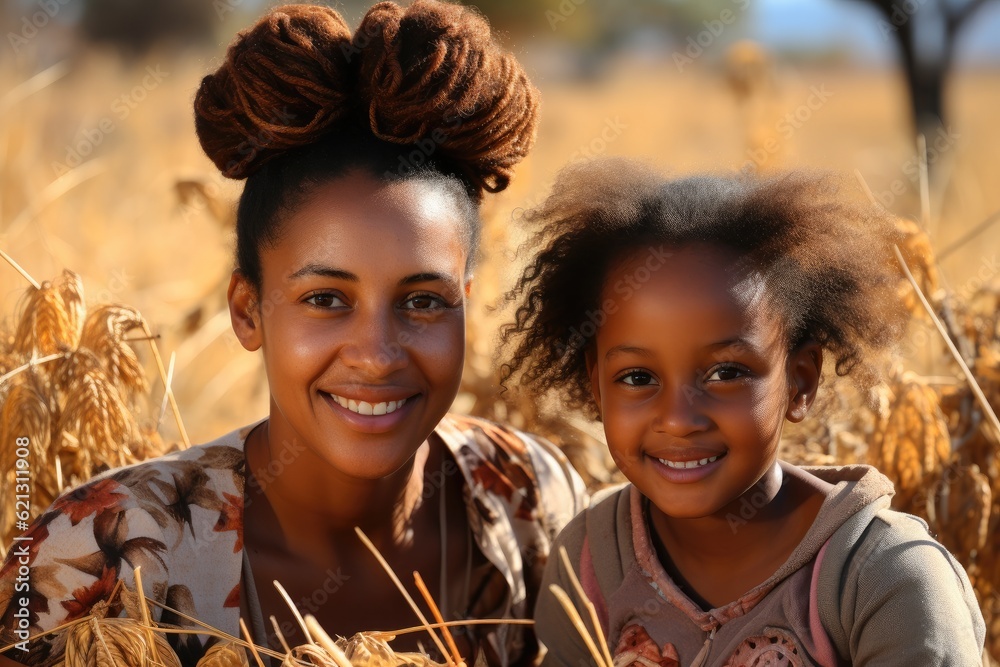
[687, 464]
[366, 408]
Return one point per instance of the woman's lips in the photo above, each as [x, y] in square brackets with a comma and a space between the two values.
[384, 415]
[366, 408]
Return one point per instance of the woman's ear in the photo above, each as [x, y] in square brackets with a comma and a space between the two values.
[805, 366]
[243, 311]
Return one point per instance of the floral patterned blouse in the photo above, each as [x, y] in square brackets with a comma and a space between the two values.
[174, 514]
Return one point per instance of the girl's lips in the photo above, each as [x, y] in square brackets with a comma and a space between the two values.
[700, 469]
[370, 423]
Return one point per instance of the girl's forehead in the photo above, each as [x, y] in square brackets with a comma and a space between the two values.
[694, 276]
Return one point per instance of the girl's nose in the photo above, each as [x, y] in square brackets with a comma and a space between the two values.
[681, 411]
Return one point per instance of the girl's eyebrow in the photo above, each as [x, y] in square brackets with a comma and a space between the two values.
[427, 277]
[627, 349]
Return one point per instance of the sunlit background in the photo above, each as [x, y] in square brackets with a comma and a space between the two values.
[101, 174]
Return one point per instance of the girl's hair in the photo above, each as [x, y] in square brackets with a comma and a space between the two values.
[421, 92]
[828, 266]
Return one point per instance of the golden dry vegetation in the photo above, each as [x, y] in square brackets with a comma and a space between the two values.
[135, 241]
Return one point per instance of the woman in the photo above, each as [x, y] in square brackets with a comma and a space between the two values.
[365, 159]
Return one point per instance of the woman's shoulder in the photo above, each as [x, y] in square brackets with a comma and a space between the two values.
[167, 515]
[500, 458]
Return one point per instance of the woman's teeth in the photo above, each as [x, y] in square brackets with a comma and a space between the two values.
[687, 464]
[366, 408]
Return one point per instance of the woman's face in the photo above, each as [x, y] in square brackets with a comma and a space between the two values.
[694, 379]
[361, 317]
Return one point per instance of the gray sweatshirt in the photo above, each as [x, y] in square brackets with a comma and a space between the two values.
[885, 592]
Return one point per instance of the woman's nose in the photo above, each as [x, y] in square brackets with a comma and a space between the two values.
[375, 344]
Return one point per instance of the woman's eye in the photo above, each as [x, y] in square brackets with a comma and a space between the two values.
[325, 300]
[726, 374]
[637, 378]
[424, 302]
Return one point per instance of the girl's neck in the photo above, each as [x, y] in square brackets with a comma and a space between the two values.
[312, 505]
[717, 558]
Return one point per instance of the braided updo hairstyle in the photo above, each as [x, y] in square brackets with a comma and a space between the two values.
[417, 92]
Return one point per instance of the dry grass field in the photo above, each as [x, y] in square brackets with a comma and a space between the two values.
[101, 174]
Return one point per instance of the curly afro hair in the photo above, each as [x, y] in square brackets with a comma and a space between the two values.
[832, 261]
[416, 92]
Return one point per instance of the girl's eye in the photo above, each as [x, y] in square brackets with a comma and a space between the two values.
[325, 300]
[727, 373]
[637, 379]
[424, 302]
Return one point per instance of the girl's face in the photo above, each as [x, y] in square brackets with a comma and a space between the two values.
[693, 378]
[361, 317]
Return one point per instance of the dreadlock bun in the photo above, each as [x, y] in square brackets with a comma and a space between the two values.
[429, 72]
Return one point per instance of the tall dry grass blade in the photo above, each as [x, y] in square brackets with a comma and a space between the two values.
[925, 189]
[19, 269]
[54, 191]
[402, 590]
[279, 634]
[249, 639]
[977, 391]
[295, 611]
[389, 634]
[868, 191]
[144, 611]
[166, 386]
[38, 82]
[326, 643]
[969, 235]
[436, 613]
[34, 362]
[170, 383]
[578, 587]
[577, 621]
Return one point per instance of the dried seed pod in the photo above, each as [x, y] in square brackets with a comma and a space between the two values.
[104, 334]
[959, 504]
[52, 317]
[112, 642]
[918, 252]
[224, 654]
[912, 441]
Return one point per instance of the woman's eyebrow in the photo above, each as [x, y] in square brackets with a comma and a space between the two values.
[428, 277]
[325, 271]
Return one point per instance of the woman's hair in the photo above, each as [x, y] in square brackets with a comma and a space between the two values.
[421, 92]
[828, 265]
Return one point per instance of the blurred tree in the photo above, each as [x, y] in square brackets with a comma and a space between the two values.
[927, 33]
[135, 25]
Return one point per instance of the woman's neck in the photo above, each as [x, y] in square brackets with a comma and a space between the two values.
[312, 504]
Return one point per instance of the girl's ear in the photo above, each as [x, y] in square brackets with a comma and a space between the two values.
[590, 356]
[244, 311]
[805, 365]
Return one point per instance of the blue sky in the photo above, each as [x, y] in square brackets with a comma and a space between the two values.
[821, 24]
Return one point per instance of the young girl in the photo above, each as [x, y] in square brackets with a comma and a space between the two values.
[366, 157]
[693, 318]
